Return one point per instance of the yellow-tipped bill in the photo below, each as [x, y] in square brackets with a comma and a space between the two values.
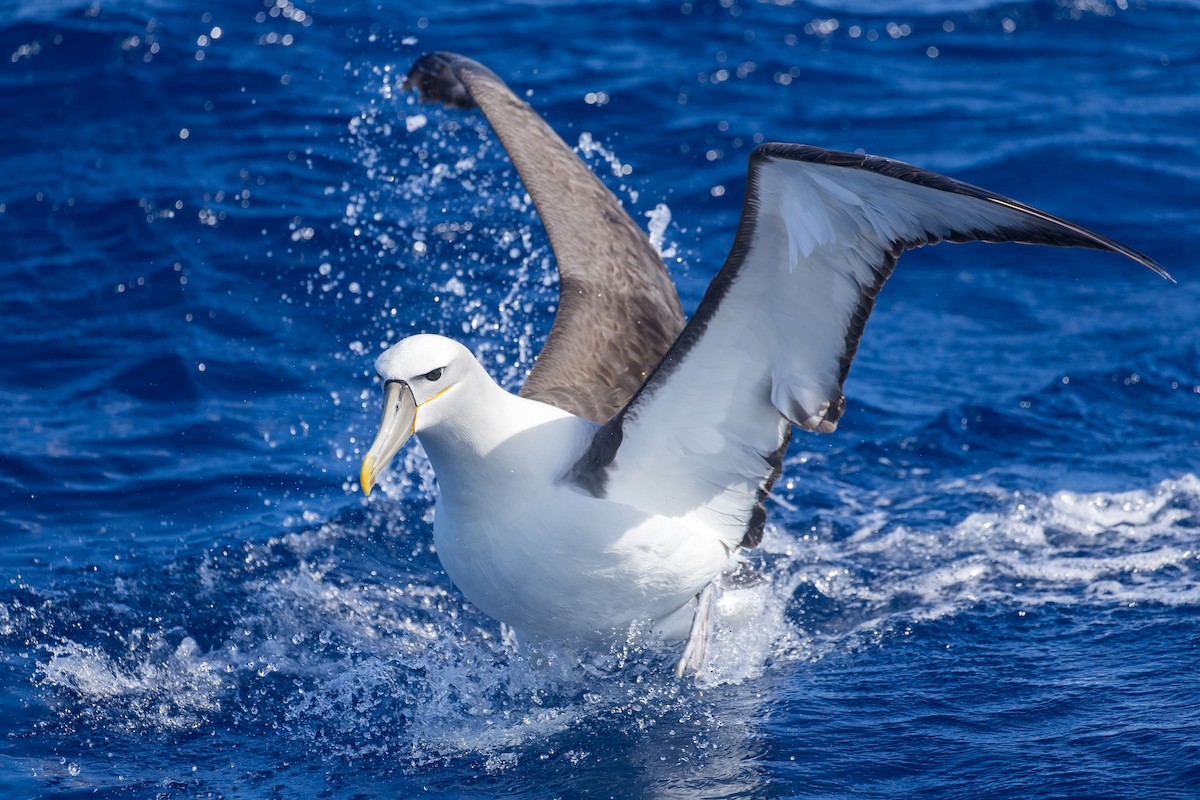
[399, 421]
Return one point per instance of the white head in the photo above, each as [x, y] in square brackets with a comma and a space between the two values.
[423, 377]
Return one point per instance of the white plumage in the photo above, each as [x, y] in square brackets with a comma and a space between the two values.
[620, 499]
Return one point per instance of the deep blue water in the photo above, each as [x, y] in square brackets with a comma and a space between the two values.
[213, 215]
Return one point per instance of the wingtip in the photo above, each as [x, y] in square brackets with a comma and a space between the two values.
[434, 79]
[1145, 261]
[1141, 258]
[1154, 266]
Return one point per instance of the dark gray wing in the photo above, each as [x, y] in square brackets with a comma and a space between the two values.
[771, 343]
[618, 311]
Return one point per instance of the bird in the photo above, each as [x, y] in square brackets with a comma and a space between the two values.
[626, 480]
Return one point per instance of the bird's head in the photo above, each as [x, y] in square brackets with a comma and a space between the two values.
[421, 376]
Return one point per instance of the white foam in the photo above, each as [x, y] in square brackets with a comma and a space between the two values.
[1099, 548]
[383, 658]
[149, 685]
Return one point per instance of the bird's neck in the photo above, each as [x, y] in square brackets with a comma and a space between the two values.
[499, 443]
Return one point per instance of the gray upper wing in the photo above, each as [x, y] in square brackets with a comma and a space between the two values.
[618, 310]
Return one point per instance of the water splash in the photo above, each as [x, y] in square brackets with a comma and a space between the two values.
[344, 642]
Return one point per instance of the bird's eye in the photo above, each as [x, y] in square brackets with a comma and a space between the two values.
[434, 375]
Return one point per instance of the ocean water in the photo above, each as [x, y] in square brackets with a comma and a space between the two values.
[213, 215]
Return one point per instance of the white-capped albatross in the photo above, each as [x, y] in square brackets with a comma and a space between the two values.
[623, 481]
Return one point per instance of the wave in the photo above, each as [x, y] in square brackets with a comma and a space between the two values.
[876, 570]
[348, 638]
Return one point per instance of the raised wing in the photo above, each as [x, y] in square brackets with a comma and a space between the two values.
[618, 311]
[772, 341]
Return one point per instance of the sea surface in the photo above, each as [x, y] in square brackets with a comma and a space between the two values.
[215, 214]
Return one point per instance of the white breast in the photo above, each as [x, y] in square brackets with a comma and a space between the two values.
[543, 556]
